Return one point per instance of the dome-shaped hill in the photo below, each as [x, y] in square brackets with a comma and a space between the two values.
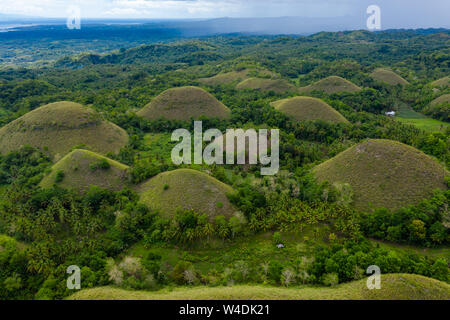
[331, 85]
[388, 76]
[184, 103]
[58, 127]
[384, 173]
[440, 100]
[187, 189]
[308, 109]
[81, 169]
[443, 82]
[229, 77]
[276, 85]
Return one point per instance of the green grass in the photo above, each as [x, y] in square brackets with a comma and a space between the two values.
[445, 98]
[307, 108]
[407, 115]
[427, 124]
[331, 85]
[58, 127]
[227, 77]
[388, 76]
[214, 254]
[393, 287]
[236, 76]
[80, 172]
[184, 103]
[277, 85]
[188, 189]
[384, 173]
[434, 252]
[157, 149]
[443, 82]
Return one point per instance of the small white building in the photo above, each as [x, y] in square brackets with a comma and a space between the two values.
[390, 113]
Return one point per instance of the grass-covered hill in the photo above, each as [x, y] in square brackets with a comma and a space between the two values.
[184, 103]
[443, 82]
[58, 127]
[187, 189]
[440, 100]
[275, 85]
[331, 85]
[384, 173]
[393, 287]
[234, 76]
[81, 169]
[388, 76]
[308, 108]
[226, 77]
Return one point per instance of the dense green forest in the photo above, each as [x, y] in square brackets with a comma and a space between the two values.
[117, 238]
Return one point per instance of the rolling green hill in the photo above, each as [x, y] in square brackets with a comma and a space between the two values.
[277, 85]
[388, 76]
[83, 168]
[188, 189]
[384, 173]
[227, 77]
[58, 127]
[440, 100]
[230, 77]
[443, 82]
[307, 109]
[184, 103]
[393, 287]
[331, 85]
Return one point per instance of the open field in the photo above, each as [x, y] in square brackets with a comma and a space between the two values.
[393, 287]
[407, 115]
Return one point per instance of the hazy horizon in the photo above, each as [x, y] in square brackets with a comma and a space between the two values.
[394, 13]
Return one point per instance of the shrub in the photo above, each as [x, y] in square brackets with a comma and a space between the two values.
[178, 272]
[59, 176]
[330, 279]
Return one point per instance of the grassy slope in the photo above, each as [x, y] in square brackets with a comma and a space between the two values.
[443, 82]
[227, 77]
[388, 76]
[184, 103]
[188, 189]
[445, 98]
[59, 127]
[278, 85]
[307, 108]
[407, 115]
[78, 174]
[393, 287]
[331, 85]
[384, 173]
[233, 76]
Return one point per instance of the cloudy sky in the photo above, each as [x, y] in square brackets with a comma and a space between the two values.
[396, 13]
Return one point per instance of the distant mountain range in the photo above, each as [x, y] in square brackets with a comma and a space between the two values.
[206, 27]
